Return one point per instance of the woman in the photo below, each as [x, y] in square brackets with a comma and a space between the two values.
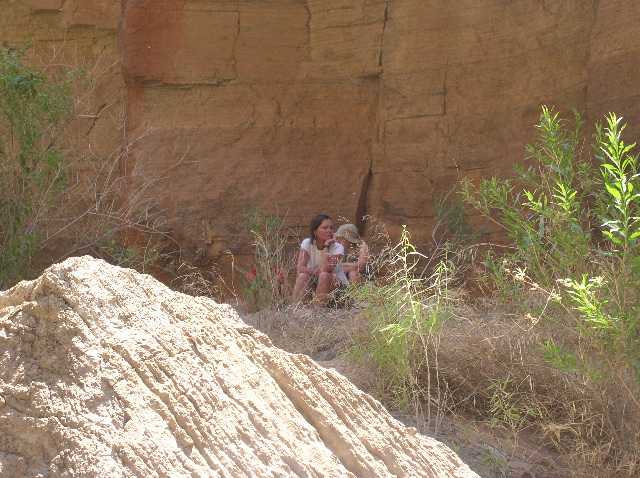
[319, 263]
[356, 253]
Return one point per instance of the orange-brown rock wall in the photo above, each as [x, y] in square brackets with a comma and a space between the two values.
[344, 107]
[267, 104]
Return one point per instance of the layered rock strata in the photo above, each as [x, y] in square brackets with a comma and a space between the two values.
[344, 107]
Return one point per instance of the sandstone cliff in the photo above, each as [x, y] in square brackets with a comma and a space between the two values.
[345, 107]
[106, 372]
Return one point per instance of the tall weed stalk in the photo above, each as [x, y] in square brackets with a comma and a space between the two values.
[266, 283]
[406, 313]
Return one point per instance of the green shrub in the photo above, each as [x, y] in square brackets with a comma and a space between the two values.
[543, 210]
[573, 232]
[549, 218]
[33, 110]
[40, 209]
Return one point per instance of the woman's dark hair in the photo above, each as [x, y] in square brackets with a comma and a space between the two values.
[315, 224]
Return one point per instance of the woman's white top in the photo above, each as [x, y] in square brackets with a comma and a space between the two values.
[315, 257]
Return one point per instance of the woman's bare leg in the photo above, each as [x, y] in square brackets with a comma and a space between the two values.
[327, 282]
[301, 289]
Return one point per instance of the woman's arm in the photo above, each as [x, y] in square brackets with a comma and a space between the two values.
[329, 262]
[303, 260]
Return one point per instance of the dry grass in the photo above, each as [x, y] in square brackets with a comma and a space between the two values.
[593, 428]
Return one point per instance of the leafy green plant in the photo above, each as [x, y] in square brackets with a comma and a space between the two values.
[618, 202]
[567, 360]
[33, 110]
[543, 211]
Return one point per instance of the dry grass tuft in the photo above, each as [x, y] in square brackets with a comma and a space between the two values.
[491, 367]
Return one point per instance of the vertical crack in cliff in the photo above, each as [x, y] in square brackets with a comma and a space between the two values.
[361, 209]
[384, 26]
[234, 60]
[308, 9]
[444, 87]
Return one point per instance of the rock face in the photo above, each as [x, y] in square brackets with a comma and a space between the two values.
[106, 372]
[344, 107]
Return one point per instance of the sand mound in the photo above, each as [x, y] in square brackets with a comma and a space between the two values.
[107, 372]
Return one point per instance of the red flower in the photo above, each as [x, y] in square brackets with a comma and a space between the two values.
[251, 275]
